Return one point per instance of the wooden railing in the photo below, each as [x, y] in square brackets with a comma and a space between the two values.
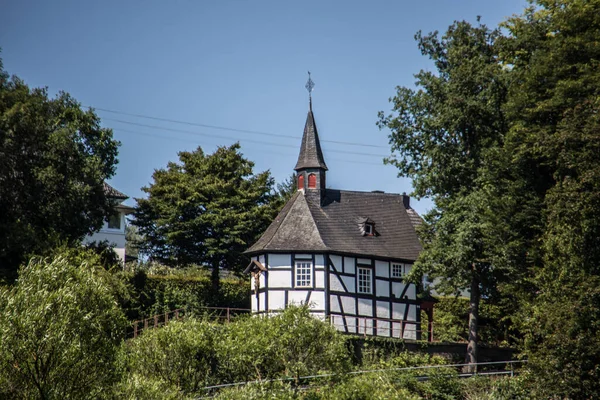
[223, 314]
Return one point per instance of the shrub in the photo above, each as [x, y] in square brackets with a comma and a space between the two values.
[60, 328]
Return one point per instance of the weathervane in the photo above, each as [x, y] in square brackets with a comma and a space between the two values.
[309, 86]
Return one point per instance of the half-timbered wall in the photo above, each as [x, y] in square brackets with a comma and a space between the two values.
[388, 308]
[278, 286]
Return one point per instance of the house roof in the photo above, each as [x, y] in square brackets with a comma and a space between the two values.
[310, 155]
[307, 224]
[111, 192]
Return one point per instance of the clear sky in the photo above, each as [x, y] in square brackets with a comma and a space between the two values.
[235, 64]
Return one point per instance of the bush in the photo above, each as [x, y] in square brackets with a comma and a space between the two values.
[60, 329]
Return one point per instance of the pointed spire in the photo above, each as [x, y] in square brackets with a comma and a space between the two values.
[310, 155]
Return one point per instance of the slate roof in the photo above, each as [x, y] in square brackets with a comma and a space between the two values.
[306, 224]
[310, 155]
[111, 192]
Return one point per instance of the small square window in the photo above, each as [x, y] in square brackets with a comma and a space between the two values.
[303, 274]
[364, 280]
[114, 221]
[368, 229]
[399, 270]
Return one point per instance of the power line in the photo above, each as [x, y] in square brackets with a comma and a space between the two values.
[230, 129]
[354, 161]
[235, 138]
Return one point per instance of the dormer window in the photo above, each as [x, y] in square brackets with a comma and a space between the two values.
[367, 226]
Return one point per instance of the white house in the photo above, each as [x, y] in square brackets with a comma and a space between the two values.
[345, 253]
[113, 229]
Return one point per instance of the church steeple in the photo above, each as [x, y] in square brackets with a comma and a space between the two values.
[311, 166]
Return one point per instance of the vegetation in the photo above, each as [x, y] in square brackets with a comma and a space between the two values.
[205, 210]
[503, 135]
[54, 160]
[60, 328]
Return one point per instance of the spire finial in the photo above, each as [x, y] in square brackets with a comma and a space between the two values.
[309, 86]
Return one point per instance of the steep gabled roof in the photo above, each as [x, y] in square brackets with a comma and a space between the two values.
[310, 155]
[306, 225]
[113, 193]
[294, 229]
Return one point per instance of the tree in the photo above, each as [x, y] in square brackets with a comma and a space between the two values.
[554, 142]
[205, 210]
[444, 136]
[60, 330]
[54, 158]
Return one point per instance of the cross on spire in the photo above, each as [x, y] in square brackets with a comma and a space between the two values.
[309, 86]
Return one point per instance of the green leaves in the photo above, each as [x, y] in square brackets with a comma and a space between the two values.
[206, 210]
[54, 157]
[60, 327]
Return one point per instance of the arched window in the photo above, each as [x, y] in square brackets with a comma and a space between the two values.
[312, 181]
[300, 182]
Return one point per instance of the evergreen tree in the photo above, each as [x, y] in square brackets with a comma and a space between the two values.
[205, 210]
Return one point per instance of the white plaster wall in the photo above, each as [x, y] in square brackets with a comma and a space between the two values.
[383, 309]
[276, 300]
[383, 328]
[397, 288]
[334, 306]
[319, 261]
[253, 303]
[305, 256]
[383, 288]
[334, 283]
[382, 268]
[279, 260]
[261, 302]
[348, 304]
[320, 279]
[363, 261]
[349, 282]
[337, 262]
[349, 265]
[365, 307]
[261, 259]
[398, 311]
[317, 300]
[280, 279]
[297, 297]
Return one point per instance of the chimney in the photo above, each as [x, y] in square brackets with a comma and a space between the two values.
[406, 200]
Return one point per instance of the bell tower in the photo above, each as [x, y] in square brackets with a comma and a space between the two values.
[311, 167]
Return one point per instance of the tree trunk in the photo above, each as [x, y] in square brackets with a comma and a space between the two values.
[473, 323]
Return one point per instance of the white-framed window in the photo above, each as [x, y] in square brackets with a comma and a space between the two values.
[114, 221]
[364, 280]
[399, 270]
[369, 229]
[303, 273]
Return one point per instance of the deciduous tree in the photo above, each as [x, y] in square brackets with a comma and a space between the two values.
[444, 135]
[54, 157]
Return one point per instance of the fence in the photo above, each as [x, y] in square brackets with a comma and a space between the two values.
[224, 314]
[509, 369]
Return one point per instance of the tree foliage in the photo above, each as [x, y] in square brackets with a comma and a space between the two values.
[205, 210]
[444, 136]
[60, 329]
[54, 158]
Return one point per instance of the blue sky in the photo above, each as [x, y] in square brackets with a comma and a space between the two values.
[235, 64]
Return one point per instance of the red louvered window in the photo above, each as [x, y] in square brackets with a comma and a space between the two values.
[300, 181]
[312, 181]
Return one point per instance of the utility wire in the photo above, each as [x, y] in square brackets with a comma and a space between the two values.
[220, 137]
[230, 129]
[234, 138]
